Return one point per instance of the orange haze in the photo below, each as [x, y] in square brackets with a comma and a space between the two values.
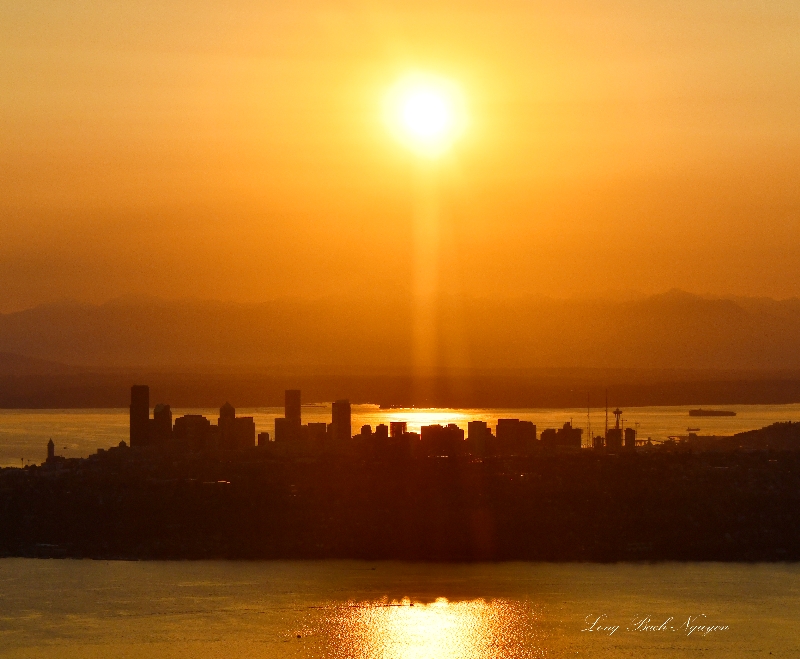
[235, 150]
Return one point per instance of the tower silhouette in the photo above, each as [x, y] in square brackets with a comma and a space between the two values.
[140, 414]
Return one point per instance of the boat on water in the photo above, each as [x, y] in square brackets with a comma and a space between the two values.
[702, 412]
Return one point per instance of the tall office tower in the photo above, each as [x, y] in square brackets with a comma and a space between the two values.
[140, 414]
[341, 419]
[292, 407]
[161, 424]
[227, 411]
[226, 425]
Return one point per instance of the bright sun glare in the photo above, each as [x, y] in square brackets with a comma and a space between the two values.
[426, 113]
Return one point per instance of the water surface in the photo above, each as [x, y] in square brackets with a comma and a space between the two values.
[88, 609]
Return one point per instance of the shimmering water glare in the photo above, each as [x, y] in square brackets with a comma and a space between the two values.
[80, 609]
[476, 629]
[79, 433]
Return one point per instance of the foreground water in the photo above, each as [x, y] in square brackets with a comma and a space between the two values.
[79, 433]
[91, 609]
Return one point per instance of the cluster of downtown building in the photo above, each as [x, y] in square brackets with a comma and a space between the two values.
[195, 433]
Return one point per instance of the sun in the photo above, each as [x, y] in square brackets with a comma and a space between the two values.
[425, 113]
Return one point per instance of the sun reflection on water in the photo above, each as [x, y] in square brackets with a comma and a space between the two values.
[426, 417]
[477, 629]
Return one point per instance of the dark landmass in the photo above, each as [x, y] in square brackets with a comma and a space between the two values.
[670, 349]
[781, 436]
[12, 365]
[667, 503]
[352, 335]
[702, 412]
[464, 389]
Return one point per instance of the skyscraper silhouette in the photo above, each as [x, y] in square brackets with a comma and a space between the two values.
[140, 415]
[226, 423]
[160, 425]
[289, 426]
[341, 419]
[292, 407]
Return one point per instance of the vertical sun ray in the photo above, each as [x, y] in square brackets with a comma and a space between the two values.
[426, 114]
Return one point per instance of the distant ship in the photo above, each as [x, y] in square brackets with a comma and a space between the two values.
[702, 412]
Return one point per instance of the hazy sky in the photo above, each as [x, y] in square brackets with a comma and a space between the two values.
[235, 150]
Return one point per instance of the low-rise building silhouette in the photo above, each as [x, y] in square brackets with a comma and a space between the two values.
[514, 437]
[397, 428]
[235, 433]
[567, 436]
[479, 437]
[438, 440]
[317, 434]
[192, 432]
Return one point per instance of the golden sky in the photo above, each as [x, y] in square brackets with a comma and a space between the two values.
[236, 150]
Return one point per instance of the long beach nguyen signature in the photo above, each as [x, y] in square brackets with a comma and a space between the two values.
[693, 624]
